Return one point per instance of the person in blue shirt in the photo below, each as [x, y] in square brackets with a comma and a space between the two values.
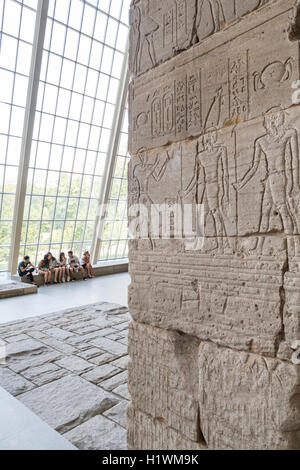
[26, 269]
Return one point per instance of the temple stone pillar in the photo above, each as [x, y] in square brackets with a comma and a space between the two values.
[214, 127]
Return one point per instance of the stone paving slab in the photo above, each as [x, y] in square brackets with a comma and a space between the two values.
[56, 365]
[98, 433]
[67, 402]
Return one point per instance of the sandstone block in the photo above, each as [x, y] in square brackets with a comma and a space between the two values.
[163, 377]
[248, 401]
[220, 82]
[160, 30]
[147, 433]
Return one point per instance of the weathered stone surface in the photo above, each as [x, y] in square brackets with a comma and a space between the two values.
[74, 364]
[122, 362]
[60, 346]
[122, 390]
[98, 433]
[15, 289]
[100, 373]
[58, 333]
[160, 30]
[38, 365]
[110, 346]
[13, 383]
[224, 81]
[144, 433]
[72, 400]
[32, 372]
[247, 401]
[115, 381]
[24, 363]
[102, 359]
[28, 346]
[163, 378]
[48, 377]
[233, 299]
[118, 413]
[215, 341]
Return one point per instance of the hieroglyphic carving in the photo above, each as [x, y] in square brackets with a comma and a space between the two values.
[160, 29]
[219, 88]
[231, 299]
[247, 401]
[155, 386]
[238, 87]
[208, 126]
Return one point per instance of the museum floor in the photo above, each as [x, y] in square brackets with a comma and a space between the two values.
[66, 361]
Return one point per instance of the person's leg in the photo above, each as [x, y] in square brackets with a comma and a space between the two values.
[90, 270]
[30, 276]
[68, 274]
[83, 271]
[63, 274]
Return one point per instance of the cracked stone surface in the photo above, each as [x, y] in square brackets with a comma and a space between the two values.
[55, 368]
[214, 128]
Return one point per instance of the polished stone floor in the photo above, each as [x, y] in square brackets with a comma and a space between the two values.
[112, 288]
[70, 367]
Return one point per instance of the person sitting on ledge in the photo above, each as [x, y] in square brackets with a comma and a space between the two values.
[54, 266]
[44, 270]
[26, 269]
[74, 265]
[86, 264]
[64, 268]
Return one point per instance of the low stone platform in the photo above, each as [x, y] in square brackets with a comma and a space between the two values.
[70, 368]
[15, 288]
[99, 270]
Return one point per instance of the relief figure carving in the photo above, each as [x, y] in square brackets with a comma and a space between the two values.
[279, 146]
[142, 29]
[211, 180]
[212, 15]
[208, 18]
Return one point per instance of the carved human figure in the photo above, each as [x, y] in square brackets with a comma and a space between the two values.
[213, 13]
[142, 173]
[147, 28]
[208, 18]
[135, 23]
[279, 147]
[211, 180]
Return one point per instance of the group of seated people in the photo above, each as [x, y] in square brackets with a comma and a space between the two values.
[64, 269]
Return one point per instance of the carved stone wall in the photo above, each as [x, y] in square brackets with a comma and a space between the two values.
[216, 318]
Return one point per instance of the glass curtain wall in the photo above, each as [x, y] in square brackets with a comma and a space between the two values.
[82, 61]
[115, 235]
[17, 21]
